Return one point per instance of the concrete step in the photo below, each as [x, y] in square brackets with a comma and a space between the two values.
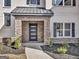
[33, 45]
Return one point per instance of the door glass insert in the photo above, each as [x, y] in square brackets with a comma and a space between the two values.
[33, 32]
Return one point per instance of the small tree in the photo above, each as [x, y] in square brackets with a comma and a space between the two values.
[1, 47]
[50, 43]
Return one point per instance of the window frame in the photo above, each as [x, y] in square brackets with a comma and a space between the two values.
[64, 36]
[7, 19]
[72, 4]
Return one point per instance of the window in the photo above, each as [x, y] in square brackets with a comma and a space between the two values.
[67, 29]
[7, 2]
[58, 29]
[67, 2]
[33, 2]
[64, 2]
[64, 30]
[7, 18]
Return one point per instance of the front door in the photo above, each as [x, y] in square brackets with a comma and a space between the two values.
[33, 32]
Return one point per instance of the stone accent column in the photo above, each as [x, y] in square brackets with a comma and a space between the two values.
[46, 30]
[18, 28]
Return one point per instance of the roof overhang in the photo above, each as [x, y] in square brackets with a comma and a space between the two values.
[31, 11]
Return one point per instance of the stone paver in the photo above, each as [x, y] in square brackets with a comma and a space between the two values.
[36, 54]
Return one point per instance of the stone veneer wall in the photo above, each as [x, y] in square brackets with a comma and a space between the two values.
[40, 30]
[45, 19]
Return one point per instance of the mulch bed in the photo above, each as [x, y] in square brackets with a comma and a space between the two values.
[9, 50]
[72, 50]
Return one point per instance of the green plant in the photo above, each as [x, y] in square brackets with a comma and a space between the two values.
[62, 50]
[50, 42]
[17, 43]
[1, 47]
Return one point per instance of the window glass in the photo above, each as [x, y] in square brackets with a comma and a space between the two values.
[38, 2]
[64, 2]
[58, 29]
[59, 26]
[33, 1]
[67, 29]
[7, 2]
[58, 2]
[67, 2]
[67, 32]
[28, 1]
[67, 25]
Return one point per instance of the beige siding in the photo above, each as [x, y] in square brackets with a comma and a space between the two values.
[66, 14]
[48, 4]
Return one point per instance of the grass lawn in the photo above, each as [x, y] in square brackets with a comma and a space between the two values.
[13, 56]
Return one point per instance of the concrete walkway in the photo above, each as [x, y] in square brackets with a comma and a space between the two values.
[36, 54]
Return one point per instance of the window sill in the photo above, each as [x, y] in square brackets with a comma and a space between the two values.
[63, 6]
[6, 6]
[64, 37]
[33, 4]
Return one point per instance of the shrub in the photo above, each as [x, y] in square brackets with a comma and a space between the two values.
[17, 43]
[50, 43]
[62, 50]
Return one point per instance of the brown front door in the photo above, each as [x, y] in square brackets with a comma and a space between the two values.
[32, 32]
